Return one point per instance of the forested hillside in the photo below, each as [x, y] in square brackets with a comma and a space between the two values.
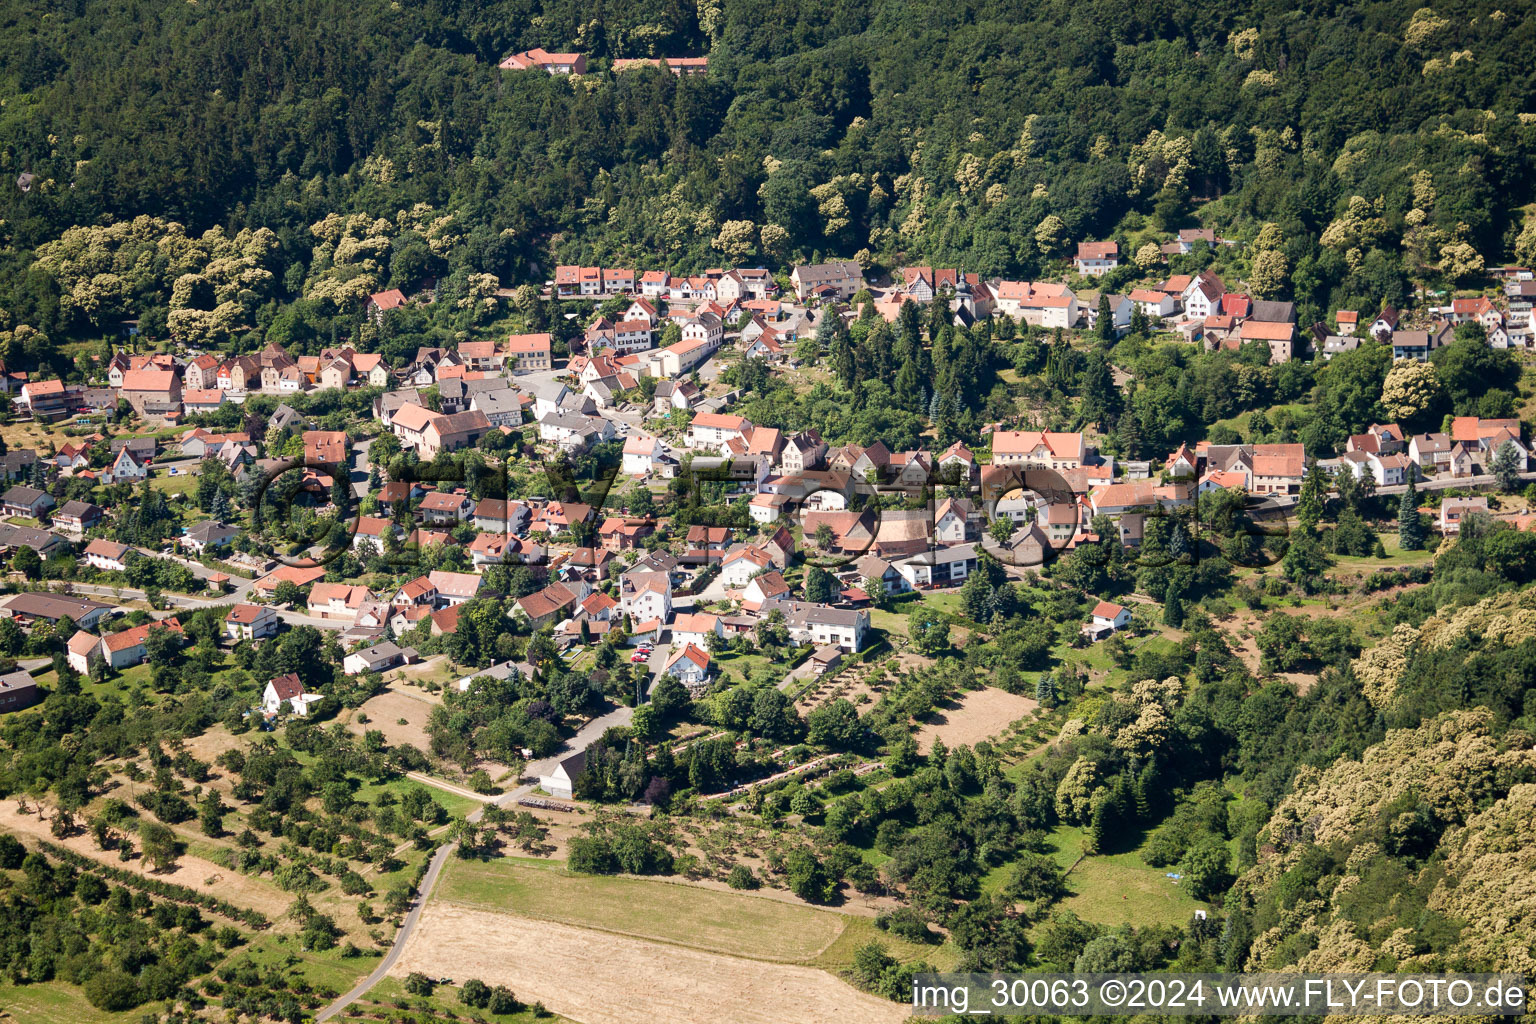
[1385, 145]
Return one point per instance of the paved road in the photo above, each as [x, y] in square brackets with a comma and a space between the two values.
[428, 881]
[585, 736]
[293, 618]
[1286, 502]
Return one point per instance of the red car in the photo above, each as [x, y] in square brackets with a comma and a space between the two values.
[639, 658]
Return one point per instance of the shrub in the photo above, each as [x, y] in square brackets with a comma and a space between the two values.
[502, 1001]
[742, 877]
[475, 993]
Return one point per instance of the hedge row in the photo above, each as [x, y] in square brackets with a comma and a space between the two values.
[168, 890]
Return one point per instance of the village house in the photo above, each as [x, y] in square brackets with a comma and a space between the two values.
[1155, 305]
[26, 502]
[619, 534]
[381, 657]
[409, 423]
[453, 588]
[129, 647]
[548, 606]
[18, 691]
[1105, 618]
[450, 433]
[528, 353]
[822, 625]
[1202, 296]
[76, 517]
[689, 666]
[44, 399]
[713, 431]
[500, 516]
[152, 393]
[502, 407]
[31, 607]
[695, 628]
[445, 507]
[1453, 511]
[107, 555]
[288, 691]
[1037, 449]
[1095, 259]
[1431, 451]
[337, 600]
[250, 622]
[838, 280]
[764, 591]
[641, 454]
[646, 595]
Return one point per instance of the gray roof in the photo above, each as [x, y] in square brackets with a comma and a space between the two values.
[78, 509]
[943, 556]
[39, 605]
[502, 400]
[1269, 311]
[211, 532]
[818, 272]
[21, 494]
[388, 651]
[18, 680]
[41, 541]
[801, 613]
[570, 421]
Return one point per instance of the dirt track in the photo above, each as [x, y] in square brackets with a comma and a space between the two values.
[597, 978]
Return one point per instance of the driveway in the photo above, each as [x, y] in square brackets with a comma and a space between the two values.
[359, 470]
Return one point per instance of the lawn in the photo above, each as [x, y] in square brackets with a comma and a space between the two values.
[1118, 888]
[1396, 558]
[747, 665]
[456, 806]
[722, 922]
[184, 482]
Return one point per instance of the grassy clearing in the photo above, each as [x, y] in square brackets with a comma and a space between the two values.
[456, 806]
[720, 922]
[1118, 888]
[861, 931]
[1396, 557]
[328, 970]
[55, 1002]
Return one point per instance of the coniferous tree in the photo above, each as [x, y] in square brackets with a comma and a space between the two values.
[1104, 320]
[1410, 526]
[1506, 467]
[1173, 607]
[1310, 504]
[1045, 691]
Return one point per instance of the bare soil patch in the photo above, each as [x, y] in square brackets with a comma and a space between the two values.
[599, 978]
[978, 715]
[387, 709]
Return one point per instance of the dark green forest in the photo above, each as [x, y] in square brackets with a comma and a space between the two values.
[990, 136]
